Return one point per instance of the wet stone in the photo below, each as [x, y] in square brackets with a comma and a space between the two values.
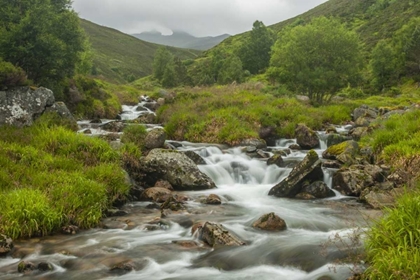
[44, 266]
[25, 266]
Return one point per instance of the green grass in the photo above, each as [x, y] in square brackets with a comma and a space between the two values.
[122, 58]
[51, 176]
[393, 243]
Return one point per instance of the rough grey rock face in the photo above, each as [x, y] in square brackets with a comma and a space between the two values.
[308, 170]
[155, 138]
[306, 137]
[61, 109]
[216, 234]
[318, 189]
[176, 168]
[21, 106]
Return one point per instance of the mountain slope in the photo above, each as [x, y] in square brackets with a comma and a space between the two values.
[122, 58]
[182, 40]
[371, 19]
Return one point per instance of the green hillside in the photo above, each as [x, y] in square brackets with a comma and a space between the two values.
[122, 58]
[371, 19]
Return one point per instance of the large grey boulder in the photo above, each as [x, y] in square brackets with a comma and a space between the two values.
[308, 170]
[306, 138]
[176, 168]
[21, 106]
[356, 179]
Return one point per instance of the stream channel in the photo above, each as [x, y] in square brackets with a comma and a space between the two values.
[168, 250]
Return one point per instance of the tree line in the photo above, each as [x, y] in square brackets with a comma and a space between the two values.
[317, 59]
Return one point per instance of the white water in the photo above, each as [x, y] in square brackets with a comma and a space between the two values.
[243, 184]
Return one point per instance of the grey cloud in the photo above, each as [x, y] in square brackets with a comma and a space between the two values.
[198, 17]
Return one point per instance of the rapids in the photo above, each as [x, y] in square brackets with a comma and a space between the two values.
[166, 249]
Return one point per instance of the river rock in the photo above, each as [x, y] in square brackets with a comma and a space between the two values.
[269, 135]
[354, 180]
[6, 245]
[212, 199]
[45, 266]
[164, 184]
[176, 168]
[194, 157]
[307, 170]
[25, 266]
[277, 160]
[364, 111]
[123, 267]
[141, 109]
[173, 203]
[113, 126]
[70, 229]
[151, 105]
[306, 138]
[156, 194]
[149, 118]
[216, 234]
[295, 147]
[383, 199]
[155, 138]
[318, 189]
[22, 105]
[344, 152]
[270, 222]
[358, 132]
[257, 143]
[335, 138]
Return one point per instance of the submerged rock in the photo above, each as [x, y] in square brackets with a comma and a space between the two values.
[176, 168]
[270, 222]
[308, 170]
[25, 266]
[306, 138]
[216, 234]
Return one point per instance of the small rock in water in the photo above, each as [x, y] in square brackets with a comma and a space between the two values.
[44, 266]
[155, 194]
[122, 268]
[216, 234]
[270, 222]
[212, 199]
[295, 147]
[96, 121]
[87, 131]
[25, 266]
[277, 160]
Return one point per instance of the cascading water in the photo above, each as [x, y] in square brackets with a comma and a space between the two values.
[243, 184]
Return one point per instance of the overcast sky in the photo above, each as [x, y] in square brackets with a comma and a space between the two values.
[197, 17]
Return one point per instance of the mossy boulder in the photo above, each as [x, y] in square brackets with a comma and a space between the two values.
[308, 170]
[306, 138]
[365, 111]
[277, 160]
[344, 152]
[176, 168]
[270, 222]
[335, 138]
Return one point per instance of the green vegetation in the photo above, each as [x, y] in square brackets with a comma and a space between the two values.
[135, 135]
[121, 58]
[255, 51]
[317, 59]
[52, 177]
[43, 38]
[11, 75]
[393, 243]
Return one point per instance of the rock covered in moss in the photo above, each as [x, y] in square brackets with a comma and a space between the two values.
[25, 266]
[344, 152]
[6, 245]
[306, 138]
[308, 170]
[176, 168]
[270, 222]
[364, 111]
[335, 138]
[277, 160]
[155, 138]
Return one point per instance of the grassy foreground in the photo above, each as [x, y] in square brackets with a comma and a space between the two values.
[51, 176]
[393, 243]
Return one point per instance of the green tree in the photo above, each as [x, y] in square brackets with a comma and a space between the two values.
[385, 64]
[43, 37]
[182, 77]
[162, 58]
[169, 78]
[255, 51]
[407, 41]
[231, 71]
[317, 59]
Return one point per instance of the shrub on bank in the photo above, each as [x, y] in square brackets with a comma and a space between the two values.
[51, 176]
